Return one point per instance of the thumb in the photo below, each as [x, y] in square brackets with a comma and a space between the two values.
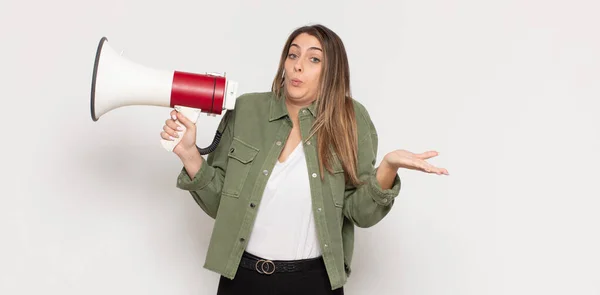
[187, 123]
[427, 155]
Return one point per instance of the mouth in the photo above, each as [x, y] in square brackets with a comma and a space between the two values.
[296, 82]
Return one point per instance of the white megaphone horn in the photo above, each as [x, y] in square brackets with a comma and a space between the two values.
[118, 82]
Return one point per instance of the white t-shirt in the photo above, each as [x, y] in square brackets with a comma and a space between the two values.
[285, 228]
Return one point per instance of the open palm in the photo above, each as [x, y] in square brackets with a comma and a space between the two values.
[409, 160]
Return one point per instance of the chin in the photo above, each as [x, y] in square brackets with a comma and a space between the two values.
[294, 92]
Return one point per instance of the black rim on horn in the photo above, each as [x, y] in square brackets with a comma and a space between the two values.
[96, 63]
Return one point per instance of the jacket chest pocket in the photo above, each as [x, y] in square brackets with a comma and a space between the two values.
[240, 158]
[337, 183]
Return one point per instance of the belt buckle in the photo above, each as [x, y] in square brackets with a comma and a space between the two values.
[262, 270]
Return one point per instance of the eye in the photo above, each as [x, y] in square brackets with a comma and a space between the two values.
[292, 56]
[315, 60]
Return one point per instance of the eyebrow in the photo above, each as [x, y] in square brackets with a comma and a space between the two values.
[313, 48]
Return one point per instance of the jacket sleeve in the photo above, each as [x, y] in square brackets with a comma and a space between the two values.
[368, 203]
[206, 185]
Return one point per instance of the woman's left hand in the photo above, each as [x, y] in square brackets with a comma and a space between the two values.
[408, 160]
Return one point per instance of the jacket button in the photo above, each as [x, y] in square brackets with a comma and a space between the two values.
[314, 175]
[242, 240]
[278, 143]
[252, 205]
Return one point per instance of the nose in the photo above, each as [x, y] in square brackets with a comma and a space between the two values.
[298, 66]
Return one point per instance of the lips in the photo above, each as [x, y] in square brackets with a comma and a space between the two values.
[296, 82]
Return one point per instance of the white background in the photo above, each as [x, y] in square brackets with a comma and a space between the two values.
[506, 91]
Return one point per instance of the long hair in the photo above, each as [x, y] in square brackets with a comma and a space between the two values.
[335, 124]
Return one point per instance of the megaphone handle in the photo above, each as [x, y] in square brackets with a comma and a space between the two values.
[192, 115]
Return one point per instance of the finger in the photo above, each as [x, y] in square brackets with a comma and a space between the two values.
[430, 168]
[440, 171]
[174, 114]
[421, 165]
[173, 125]
[416, 164]
[164, 135]
[170, 131]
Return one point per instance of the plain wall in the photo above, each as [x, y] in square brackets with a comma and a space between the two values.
[506, 91]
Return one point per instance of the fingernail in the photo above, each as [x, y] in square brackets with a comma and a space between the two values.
[171, 137]
[179, 128]
[174, 117]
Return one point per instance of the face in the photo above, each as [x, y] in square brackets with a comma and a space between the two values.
[303, 69]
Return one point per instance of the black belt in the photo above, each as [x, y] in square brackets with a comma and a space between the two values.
[266, 266]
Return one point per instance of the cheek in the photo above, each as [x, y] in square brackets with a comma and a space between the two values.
[315, 77]
[288, 66]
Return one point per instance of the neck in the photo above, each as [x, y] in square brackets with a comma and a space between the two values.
[294, 107]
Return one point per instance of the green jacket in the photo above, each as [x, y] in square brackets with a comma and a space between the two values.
[230, 183]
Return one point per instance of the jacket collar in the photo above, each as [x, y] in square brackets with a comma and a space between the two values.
[278, 109]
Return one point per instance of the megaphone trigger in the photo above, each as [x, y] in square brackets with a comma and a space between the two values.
[191, 114]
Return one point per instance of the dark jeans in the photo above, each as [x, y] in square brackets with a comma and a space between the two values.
[247, 281]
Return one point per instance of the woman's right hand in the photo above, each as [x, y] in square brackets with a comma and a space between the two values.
[170, 129]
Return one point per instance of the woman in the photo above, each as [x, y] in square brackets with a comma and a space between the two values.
[292, 176]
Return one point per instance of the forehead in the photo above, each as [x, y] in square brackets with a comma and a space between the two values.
[306, 42]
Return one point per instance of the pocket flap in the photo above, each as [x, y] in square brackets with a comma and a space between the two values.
[242, 151]
[336, 164]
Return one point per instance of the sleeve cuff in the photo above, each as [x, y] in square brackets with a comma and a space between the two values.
[202, 178]
[381, 196]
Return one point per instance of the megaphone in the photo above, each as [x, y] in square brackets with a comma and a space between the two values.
[118, 82]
